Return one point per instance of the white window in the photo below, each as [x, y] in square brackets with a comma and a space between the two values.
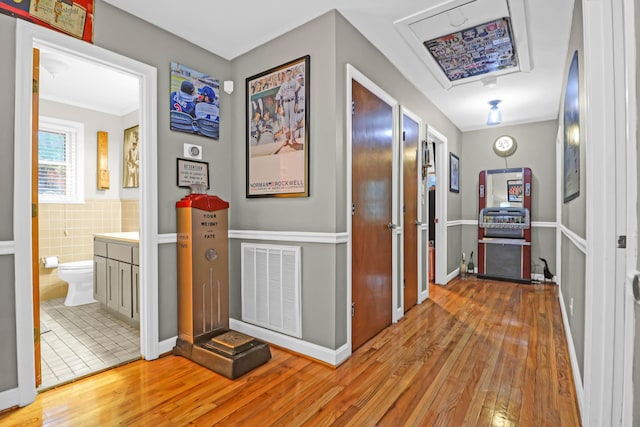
[60, 161]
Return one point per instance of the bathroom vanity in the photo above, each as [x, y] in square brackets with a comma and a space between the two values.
[116, 283]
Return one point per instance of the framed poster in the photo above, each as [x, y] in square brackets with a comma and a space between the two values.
[571, 145]
[194, 102]
[454, 173]
[131, 158]
[191, 172]
[277, 112]
[70, 17]
[514, 190]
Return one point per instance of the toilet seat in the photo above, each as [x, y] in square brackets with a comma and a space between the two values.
[76, 265]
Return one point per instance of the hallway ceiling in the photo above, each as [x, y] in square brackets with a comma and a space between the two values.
[540, 31]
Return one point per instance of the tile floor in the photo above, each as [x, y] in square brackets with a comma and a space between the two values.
[78, 341]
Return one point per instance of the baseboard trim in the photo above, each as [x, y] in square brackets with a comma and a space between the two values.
[575, 368]
[167, 345]
[313, 351]
[9, 399]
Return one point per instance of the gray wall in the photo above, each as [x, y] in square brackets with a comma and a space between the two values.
[353, 49]
[316, 213]
[537, 151]
[149, 44]
[332, 43]
[574, 212]
[8, 356]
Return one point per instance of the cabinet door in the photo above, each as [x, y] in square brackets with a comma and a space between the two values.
[112, 284]
[100, 279]
[124, 289]
[135, 288]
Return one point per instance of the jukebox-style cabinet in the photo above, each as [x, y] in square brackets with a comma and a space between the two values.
[504, 224]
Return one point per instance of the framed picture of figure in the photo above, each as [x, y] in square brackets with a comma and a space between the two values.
[131, 157]
[277, 147]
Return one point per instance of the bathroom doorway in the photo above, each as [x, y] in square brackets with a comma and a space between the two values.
[29, 36]
[437, 143]
[80, 335]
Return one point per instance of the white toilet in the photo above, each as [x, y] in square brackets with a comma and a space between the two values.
[79, 276]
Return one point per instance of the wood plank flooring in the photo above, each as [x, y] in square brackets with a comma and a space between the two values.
[477, 353]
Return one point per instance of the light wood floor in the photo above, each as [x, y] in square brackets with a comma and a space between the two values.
[478, 353]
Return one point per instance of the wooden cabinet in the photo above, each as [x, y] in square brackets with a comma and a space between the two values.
[100, 279]
[116, 281]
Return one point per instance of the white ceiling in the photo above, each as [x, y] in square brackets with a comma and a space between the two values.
[393, 27]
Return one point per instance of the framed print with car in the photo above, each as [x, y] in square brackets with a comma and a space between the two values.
[277, 109]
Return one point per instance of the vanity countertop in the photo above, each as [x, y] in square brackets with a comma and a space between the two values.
[125, 236]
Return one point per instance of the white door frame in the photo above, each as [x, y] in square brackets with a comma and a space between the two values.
[354, 74]
[422, 227]
[605, 355]
[442, 180]
[29, 36]
[631, 199]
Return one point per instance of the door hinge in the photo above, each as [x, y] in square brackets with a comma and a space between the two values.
[353, 107]
[34, 210]
[34, 87]
[404, 135]
[353, 309]
[353, 209]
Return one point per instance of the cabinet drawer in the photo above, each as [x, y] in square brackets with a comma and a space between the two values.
[100, 248]
[119, 252]
[136, 255]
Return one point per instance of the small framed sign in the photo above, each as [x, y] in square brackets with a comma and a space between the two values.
[192, 172]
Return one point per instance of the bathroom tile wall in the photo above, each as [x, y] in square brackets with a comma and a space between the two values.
[67, 231]
[130, 214]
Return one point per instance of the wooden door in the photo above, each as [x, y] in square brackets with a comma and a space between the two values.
[35, 256]
[410, 137]
[372, 142]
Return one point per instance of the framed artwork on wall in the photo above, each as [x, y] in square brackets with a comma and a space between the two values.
[277, 147]
[192, 172]
[131, 157]
[194, 102]
[514, 190]
[571, 145]
[454, 173]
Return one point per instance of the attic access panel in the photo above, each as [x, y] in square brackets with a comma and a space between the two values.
[474, 51]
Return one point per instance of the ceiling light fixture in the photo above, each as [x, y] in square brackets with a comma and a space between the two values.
[53, 64]
[495, 115]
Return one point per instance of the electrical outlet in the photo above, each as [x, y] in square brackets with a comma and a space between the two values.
[571, 307]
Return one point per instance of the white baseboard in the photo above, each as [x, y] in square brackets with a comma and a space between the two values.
[314, 351]
[577, 379]
[167, 345]
[9, 399]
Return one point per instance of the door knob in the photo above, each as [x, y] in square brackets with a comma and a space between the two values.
[635, 285]
[419, 223]
[392, 226]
